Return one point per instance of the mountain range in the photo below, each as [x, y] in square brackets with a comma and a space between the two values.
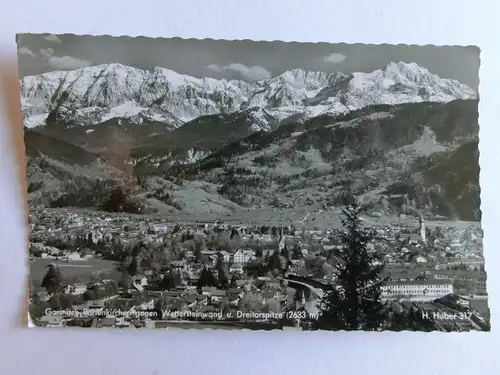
[400, 137]
[95, 94]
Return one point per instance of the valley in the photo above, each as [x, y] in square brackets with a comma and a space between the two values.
[400, 155]
[195, 187]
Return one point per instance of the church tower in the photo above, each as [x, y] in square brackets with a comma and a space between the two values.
[422, 229]
[281, 244]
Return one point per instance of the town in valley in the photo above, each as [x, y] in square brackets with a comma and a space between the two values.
[262, 277]
[309, 189]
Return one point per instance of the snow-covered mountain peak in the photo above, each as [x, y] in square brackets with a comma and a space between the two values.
[111, 67]
[405, 68]
[93, 94]
[402, 72]
[304, 79]
[176, 80]
[300, 77]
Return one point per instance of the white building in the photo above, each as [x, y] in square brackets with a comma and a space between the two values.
[417, 289]
[159, 228]
[74, 256]
[243, 256]
[421, 259]
[75, 289]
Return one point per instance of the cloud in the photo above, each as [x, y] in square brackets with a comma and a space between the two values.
[67, 62]
[26, 52]
[62, 62]
[334, 58]
[214, 67]
[47, 52]
[52, 39]
[251, 73]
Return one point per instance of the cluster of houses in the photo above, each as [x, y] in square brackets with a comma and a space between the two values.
[421, 262]
[144, 305]
[47, 251]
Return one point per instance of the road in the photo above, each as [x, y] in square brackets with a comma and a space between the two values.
[304, 219]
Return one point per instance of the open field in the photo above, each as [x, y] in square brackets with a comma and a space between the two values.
[307, 218]
[80, 269]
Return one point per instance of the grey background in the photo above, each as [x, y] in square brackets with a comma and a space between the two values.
[39, 53]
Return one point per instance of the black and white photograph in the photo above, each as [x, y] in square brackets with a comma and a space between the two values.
[252, 185]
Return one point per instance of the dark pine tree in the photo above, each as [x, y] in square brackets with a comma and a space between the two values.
[52, 279]
[274, 262]
[297, 298]
[115, 201]
[411, 318]
[234, 233]
[177, 278]
[134, 267]
[258, 252]
[232, 283]
[198, 255]
[285, 253]
[274, 231]
[220, 262]
[211, 279]
[355, 303]
[206, 279]
[296, 252]
[223, 280]
[168, 282]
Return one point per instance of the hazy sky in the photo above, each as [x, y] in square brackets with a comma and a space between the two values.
[246, 59]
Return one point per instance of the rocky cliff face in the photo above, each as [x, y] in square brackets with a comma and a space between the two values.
[96, 94]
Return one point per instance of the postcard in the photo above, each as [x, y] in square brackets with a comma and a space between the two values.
[191, 184]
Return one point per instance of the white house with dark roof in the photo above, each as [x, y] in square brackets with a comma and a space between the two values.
[75, 289]
[236, 268]
[243, 256]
